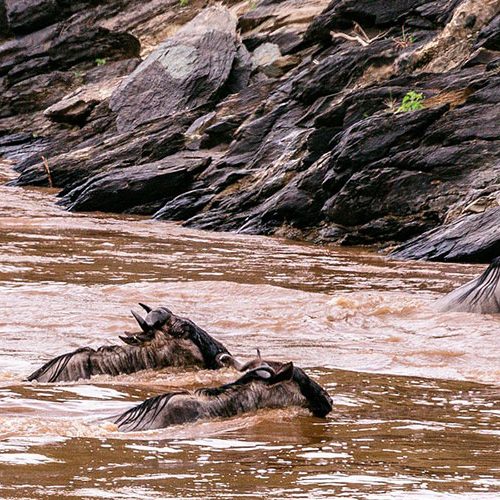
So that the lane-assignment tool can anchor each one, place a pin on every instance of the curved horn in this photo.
(144, 326)
(146, 307)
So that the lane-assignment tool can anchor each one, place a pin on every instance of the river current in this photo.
(416, 392)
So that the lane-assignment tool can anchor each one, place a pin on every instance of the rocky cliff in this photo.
(346, 121)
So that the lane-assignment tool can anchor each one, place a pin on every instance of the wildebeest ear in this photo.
(284, 374)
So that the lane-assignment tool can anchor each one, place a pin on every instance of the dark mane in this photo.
(146, 412)
(481, 295)
(59, 364)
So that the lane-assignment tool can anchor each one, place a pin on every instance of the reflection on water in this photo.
(68, 280)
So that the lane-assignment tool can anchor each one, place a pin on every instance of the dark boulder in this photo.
(489, 36)
(149, 185)
(471, 238)
(184, 72)
(26, 16)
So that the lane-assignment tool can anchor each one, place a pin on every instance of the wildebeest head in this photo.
(162, 323)
(269, 373)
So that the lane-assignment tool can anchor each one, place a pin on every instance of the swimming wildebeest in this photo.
(268, 385)
(164, 340)
(481, 295)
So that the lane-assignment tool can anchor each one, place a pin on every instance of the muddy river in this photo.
(416, 393)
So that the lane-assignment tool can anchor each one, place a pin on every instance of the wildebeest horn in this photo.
(145, 307)
(144, 326)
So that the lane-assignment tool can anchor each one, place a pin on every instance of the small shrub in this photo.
(100, 62)
(183, 3)
(412, 101)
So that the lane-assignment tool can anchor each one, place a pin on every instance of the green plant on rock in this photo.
(183, 3)
(100, 61)
(412, 101)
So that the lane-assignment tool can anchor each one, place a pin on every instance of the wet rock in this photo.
(148, 185)
(489, 36)
(185, 205)
(472, 238)
(282, 23)
(77, 106)
(35, 93)
(26, 16)
(55, 49)
(108, 152)
(267, 58)
(265, 54)
(340, 15)
(4, 29)
(186, 71)
(74, 109)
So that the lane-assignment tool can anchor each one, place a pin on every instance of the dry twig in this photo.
(358, 35)
(47, 169)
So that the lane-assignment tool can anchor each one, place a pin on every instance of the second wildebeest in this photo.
(165, 340)
(266, 385)
(481, 295)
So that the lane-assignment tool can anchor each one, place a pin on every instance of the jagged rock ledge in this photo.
(265, 117)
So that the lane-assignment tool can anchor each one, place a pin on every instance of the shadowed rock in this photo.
(481, 295)
(471, 238)
(184, 72)
(264, 386)
(144, 188)
(164, 340)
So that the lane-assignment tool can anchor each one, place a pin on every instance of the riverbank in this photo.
(266, 118)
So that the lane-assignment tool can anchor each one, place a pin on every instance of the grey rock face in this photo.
(184, 72)
(470, 238)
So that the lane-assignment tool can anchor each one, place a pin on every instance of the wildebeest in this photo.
(164, 340)
(481, 295)
(269, 385)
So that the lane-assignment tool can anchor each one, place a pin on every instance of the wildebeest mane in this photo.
(482, 294)
(59, 364)
(146, 412)
(208, 346)
(244, 379)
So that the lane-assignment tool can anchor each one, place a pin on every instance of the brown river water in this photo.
(416, 392)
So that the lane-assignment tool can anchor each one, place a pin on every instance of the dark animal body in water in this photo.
(164, 340)
(481, 295)
(270, 385)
